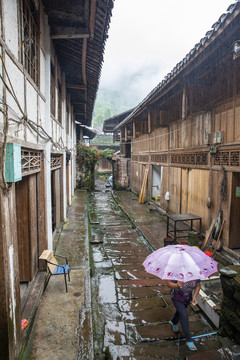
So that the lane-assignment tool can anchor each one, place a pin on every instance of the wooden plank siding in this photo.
(177, 125)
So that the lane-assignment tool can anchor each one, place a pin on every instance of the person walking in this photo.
(182, 293)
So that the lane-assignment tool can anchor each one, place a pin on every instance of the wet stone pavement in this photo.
(130, 308)
(113, 309)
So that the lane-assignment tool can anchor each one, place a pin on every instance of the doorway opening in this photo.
(156, 182)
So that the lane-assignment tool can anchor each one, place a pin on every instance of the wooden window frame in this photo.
(29, 38)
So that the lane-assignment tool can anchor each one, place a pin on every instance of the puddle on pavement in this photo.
(98, 255)
(107, 290)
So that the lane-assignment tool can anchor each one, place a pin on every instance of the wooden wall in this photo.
(228, 120)
(157, 140)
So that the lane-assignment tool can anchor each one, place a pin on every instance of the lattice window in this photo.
(30, 162)
(234, 158)
(221, 158)
(159, 158)
(143, 158)
(29, 31)
(55, 161)
(190, 158)
(217, 159)
(227, 158)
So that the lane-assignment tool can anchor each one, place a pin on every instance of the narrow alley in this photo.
(114, 309)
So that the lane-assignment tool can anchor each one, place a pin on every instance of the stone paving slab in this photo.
(175, 349)
(122, 241)
(128, 274)
(149, 316)
(130, 251)
(140, 304)
(164, 331)
(115, 333)
(139, 282)
(129, 267)
(140, 292)
(120, 260)
(128, 247)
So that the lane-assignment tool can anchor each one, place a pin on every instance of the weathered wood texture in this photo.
(156, 141)
(23, 233)
(10, 335)
(33, 226)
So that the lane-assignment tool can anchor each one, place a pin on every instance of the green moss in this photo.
(227, 287)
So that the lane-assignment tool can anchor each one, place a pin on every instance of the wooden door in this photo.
(27, 231)
(22, 212)
(234, 233)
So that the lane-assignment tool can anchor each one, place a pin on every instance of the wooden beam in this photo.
(93, 18)
(63, 32)
(84, 57)
(77, 86)
(79, 102)
(79, 113)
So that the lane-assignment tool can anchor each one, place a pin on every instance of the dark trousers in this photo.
(182, 316)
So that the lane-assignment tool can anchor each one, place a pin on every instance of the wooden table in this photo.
(177, 218)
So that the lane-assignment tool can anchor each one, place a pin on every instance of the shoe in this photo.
(191, 346)
(174, 327)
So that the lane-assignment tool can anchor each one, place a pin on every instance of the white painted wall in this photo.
(34, 101)
(10, 25)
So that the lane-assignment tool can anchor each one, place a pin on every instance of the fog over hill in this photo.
(127, 92)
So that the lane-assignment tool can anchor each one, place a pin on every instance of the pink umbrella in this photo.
(180, 262)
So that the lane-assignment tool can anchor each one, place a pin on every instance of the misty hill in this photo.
(110, 102)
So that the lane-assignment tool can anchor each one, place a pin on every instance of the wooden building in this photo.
(186, 132)
(103, 142)
(51, 57)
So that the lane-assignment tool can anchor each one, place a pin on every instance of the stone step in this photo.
(213, 347)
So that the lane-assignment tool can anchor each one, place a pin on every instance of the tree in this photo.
(87, 157)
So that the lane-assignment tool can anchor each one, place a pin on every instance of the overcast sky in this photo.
(147, 38)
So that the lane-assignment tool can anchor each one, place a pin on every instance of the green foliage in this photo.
(107, 154)
(87, 156)
(109, 103)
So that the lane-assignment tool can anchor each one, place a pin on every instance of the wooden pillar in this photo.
(149, 121)
(10, 312)
(121, 137)
(125, 135)
(81, 135)
(42, 224)
(134, 129)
